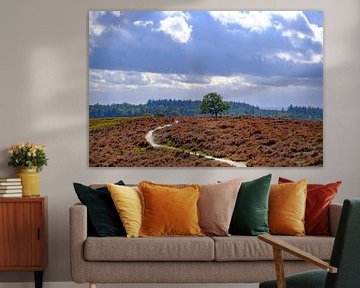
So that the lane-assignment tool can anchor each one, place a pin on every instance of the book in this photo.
(10, 183)
(10, 180)
(10, 191)
(10, 187)
(4, 195)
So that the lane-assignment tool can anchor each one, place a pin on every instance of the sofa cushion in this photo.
(149, 249)
(244, 248)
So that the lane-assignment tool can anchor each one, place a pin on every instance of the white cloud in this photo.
(176, 26)
(181, 14)
(234, 81)
(116, 13)
(95, 28)
(252, 20)
(318, 33)
(284, 56)
(300, 58)
(287, 15)
(119, 80)
(296, 37)
(143, 23)
(255, 21)
(118, 86)
(258, 21)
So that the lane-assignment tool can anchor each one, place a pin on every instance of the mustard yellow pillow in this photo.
(169, 210)
(127, 201)
(287, 204)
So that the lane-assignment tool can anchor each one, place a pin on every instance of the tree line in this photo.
(172, 107)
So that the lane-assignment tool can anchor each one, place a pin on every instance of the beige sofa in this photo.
(234, 259)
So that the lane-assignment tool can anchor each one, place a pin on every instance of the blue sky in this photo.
(264, 58)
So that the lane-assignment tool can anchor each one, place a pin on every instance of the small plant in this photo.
(27, 155)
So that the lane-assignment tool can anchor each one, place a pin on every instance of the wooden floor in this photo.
(74, 285)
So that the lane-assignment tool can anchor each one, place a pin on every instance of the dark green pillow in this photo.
(103, 218)
(250, 216)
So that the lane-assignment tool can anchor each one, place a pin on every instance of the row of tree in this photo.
(212, 104)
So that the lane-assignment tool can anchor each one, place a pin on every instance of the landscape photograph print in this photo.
(205, 88)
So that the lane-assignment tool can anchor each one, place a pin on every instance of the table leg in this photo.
(38, 279)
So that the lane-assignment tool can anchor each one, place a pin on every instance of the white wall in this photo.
(43, 90)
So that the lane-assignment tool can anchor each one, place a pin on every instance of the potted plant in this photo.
(30, 158)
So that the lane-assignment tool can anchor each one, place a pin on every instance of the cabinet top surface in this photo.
(23, 199)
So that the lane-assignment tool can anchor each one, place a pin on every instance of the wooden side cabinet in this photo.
(23, 235)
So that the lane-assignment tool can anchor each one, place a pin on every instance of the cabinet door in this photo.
(21, 234)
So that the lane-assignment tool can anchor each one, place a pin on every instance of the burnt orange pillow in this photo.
(169, 210)
(319, 197)
(287, 204)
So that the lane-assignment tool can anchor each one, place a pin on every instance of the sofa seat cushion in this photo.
(244, 248)
(149, 249)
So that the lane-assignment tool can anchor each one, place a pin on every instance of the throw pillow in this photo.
(250, 215)
(102, 215)
(319, 197)
(287, 204)
(127, 201)
(169, 210)
(216, 206)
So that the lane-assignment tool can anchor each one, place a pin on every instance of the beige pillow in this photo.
(216, 206)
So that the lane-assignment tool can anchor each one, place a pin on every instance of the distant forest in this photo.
(170, 107)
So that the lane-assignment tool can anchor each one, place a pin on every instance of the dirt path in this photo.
(150, 139)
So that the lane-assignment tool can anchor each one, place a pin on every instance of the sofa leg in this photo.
(92, 285)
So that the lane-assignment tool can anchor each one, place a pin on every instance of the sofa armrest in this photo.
(78, 235)
(334, 216)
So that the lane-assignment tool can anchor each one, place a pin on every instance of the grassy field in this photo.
(100, 123)
(260, 142)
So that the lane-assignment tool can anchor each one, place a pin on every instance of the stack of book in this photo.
(10, 187)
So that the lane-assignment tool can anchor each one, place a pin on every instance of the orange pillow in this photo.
(169, 210)
(287, 204)
(318, 200)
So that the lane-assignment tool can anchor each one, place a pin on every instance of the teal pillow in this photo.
(250, 216)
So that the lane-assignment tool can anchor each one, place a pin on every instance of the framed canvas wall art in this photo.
(205, 88)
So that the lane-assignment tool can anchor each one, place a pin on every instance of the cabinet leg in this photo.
(38, 279)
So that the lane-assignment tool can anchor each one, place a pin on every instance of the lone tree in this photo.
(213, 104)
